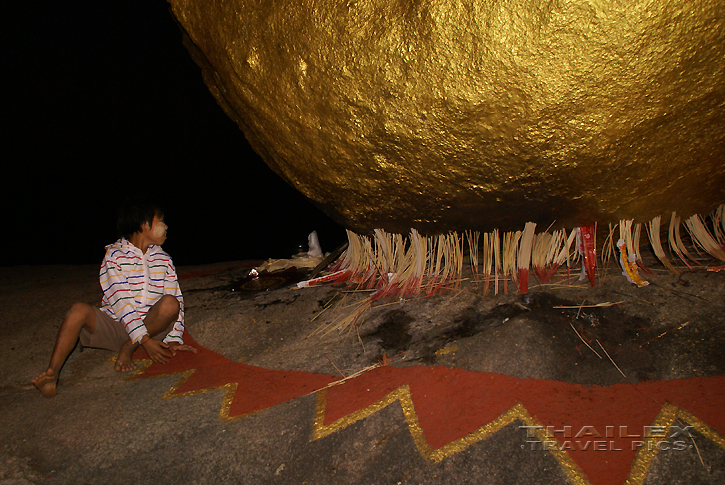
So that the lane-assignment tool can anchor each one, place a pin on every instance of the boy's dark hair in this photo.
(134, 212)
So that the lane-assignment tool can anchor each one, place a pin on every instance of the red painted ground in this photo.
(601, 428)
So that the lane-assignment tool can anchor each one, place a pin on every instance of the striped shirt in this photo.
(132, 282)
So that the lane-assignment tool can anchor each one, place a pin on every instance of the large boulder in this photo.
(451, 115)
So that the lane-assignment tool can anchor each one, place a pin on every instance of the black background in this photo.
(101, 98)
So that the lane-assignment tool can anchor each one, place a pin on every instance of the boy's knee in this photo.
(169, 306)
(79, 315)
(80, 309)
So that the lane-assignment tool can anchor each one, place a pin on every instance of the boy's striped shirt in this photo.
(132, 282)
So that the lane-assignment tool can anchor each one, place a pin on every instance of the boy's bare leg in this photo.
(80, 315)
(159, 318)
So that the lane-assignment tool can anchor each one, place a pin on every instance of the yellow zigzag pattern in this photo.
(643, 460)
(640, 467)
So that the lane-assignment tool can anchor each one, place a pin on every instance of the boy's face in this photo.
(157, 232)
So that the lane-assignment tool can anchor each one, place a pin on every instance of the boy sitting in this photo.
(142, 302)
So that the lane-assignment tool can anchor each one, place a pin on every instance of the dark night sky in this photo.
(101, 97)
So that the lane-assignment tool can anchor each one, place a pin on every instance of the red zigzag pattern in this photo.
(449, 405)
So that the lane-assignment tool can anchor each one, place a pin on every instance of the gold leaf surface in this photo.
(479, 114)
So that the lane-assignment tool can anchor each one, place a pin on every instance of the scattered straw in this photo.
(598, 305)
(615, 364)
(447, 302)
(333, 365)
(345, 379)
(580, 308)
(582, 338)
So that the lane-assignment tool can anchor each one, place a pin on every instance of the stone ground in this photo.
(103, 428)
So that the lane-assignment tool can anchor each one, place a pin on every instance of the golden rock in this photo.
(475, 114)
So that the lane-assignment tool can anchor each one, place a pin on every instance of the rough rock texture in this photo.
(445, 115)
(104, 428)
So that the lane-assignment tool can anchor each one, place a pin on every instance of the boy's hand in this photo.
(176, 346)
(158, 351)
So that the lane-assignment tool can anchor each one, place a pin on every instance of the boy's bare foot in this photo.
(46, 383)
(124, 363)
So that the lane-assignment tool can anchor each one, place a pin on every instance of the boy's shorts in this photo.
(109, 333)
